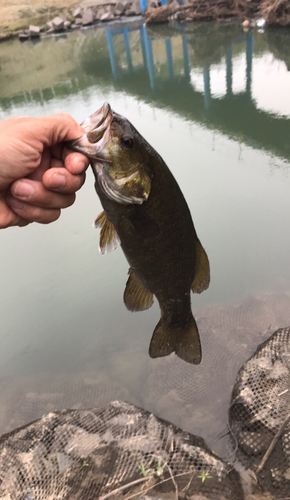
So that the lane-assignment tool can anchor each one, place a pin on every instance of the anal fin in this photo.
(202, 272)
(136, 295)
(109, 239)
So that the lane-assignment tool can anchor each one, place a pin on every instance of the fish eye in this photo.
(127, 141)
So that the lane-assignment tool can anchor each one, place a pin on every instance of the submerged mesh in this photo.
(88, 454)
(260, 414)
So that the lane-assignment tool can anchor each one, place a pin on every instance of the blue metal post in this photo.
(186, 57)
(169, 57)
(143, 45)
(143, 5)
(127, 48)
(149, 56)
(249, 58)
(229, 73)
(112, 53)
(206, 82)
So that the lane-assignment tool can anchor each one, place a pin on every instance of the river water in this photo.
(215, 103)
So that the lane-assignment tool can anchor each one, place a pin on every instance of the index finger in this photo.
(55, 129)
(76, 163)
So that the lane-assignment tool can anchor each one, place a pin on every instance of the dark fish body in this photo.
(156, 234)
(158, 240)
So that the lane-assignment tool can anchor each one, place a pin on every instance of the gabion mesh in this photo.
(260, 414)
(118, 451)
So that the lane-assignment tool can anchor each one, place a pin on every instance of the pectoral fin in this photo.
(202, 272)
(109, 239)
(136, 295)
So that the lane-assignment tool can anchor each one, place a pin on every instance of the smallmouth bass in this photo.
(145, 212)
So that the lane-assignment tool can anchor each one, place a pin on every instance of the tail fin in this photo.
(183, 340)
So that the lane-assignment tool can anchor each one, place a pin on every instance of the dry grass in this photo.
(16, 15)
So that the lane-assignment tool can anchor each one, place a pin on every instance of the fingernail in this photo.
(57, 181)
(23, 189)
(12, 202)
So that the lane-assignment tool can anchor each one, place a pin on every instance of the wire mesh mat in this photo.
(260, 414)
(119, 449)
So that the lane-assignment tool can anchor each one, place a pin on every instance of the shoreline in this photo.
(48, 20)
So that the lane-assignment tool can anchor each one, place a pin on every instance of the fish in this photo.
(145, 212)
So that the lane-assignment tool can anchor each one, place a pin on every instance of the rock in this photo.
(67, 25)
(88, 17)
(49, 31)
(23, 36)
(107, 16)
(127, 5)
(106, 13)
(100, 12)
(97, 3)
(119, 9)
(135, 9)
(77, 12)
(78, 21)
(34, 31)
(49, 25)
(58, 23)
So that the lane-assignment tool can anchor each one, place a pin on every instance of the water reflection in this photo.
(176, 69)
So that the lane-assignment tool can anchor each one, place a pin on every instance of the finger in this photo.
(60, 179)
(8, 218)
(76, 163)
(44, 165)
(36, 194)
(59, 127)
(32, 213)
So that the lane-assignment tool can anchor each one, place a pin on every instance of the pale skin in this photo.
(39, 176)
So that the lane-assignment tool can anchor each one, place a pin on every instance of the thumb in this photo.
(57, 128)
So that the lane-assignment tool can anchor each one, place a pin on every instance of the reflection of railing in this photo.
(148, 60)
(249, 39)
(147, 51)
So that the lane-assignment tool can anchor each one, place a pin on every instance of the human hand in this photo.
(34, 185)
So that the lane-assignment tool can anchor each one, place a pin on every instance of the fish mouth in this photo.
(97, 134)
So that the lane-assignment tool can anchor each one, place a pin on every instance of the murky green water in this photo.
(215, 103)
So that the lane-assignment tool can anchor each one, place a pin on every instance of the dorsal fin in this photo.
(109, 239)
(136, 295)
(202, 273)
